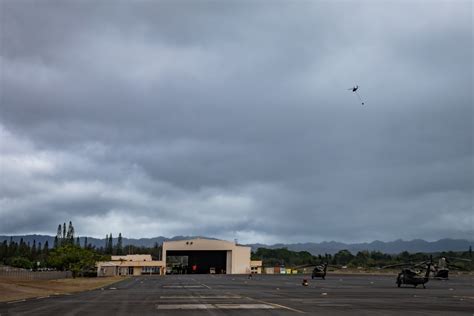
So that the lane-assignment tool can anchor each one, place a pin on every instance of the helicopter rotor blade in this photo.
(424, 263)
(397, 265)
(456, 267)
(460, 259)
(334, 266)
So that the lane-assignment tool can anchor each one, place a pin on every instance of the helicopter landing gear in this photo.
(399, 280)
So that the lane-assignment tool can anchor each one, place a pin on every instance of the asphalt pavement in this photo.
(259, 295)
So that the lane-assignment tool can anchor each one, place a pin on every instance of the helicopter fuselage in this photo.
(410, 277)
(319, 272)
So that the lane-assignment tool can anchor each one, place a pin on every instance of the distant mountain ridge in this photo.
(391, 247)
(331, 247)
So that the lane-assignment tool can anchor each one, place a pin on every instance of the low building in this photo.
(256, 266)
(130, 265)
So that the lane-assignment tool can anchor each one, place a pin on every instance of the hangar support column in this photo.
(228, 268)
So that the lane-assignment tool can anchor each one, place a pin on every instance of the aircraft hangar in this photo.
(203, 256)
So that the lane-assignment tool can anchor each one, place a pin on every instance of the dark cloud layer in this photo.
(233, 119)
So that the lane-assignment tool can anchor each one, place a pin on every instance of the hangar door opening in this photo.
(196, 262)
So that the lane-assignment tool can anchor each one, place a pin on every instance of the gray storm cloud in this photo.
(233, 120)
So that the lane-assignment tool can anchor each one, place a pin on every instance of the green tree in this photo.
(283, 256)
(33, 251)
(106, 243)
(110, 246)
(12, 248)
(70, 234)
(3, 251)
(20, 262)
(57, 239)
(23, 249)
(63, 238)
(156, 251)
(75, 259)
(119, 246)
(46, 248)
(343, 257)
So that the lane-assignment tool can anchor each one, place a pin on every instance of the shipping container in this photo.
(269, 270)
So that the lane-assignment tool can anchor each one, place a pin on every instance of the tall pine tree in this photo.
(57, 239)
(111, 245)
(106, 243)
(63, 239)
(46, 248)
(33, 249)
(119, 245)
(70, 234)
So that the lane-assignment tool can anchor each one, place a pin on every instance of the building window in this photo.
(151, 270)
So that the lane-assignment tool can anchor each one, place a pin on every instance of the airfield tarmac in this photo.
(261, 295)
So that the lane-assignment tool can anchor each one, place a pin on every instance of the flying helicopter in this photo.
(354, 89)
(410, 276)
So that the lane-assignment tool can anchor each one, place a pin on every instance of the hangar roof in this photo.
(200, 244)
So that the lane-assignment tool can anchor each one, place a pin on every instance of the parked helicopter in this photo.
(410, 276)
(440, 271)
(320, 271)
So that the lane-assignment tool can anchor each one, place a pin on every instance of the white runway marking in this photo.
(277, 305)
(184, 306)
(13, 302)
(182, 286)
(200, 297)
(214, 306)
(245, 306)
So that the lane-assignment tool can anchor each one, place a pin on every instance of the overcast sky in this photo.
(234, 119)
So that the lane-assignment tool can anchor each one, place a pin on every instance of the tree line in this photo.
(364, 259)
(67, 253)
